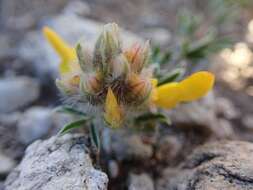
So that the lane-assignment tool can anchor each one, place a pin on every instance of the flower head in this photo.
(115, 80)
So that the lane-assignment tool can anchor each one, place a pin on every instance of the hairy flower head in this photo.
(115, 80)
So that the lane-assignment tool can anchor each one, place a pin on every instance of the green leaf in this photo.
(188, 23)
(155, 51)
(159, 57)
(73, 125)
(69, 110)
(95, 136)
(153, 117)
(198, 48)
(165, 58)
(206, 46)
(171, 76)
(219, 44)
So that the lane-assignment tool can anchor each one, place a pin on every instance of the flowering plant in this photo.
(116, 84)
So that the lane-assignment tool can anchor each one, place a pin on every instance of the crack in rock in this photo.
(220, 165)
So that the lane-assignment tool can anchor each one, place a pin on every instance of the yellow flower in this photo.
(66, 53)
(192, 88)
(113, 113)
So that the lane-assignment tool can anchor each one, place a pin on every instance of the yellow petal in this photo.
(64, 66)
(154, 94)
(154, 82)
(113, 112)
(196, 86)
(66, 53)
(192, 88)
(167, 95)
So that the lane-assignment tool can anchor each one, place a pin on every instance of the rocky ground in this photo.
(57, 163)
(205, 148)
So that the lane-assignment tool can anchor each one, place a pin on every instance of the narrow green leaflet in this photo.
(188, 22)
(171, 76)
(197, 49)
(155, 53)
(165, 57)
(73, 125)
(159, 57)
(219, 44)
(69, 110)
(153, 117)
(95, 136)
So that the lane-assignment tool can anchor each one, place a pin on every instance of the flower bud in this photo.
(74, 81)
(120, 66)
(84, 57)
(93, 83)
(107, 47)
(139, 89)
(68, 85)
(138, 56)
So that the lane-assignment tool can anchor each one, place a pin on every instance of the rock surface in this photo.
(57, 164)
(17, 17)
(35, 123)
(248, 121)
(1, 186)
(202, 114)
(6, 164)
(168, 148)
(10, 119)
(226, 108)
(9, 142)
(38, 122)
(113, 169)
(141, 182)
(77, 7)
(17, 92)
(219, 165)
(127, 146)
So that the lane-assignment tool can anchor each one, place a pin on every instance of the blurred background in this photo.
(192, 34)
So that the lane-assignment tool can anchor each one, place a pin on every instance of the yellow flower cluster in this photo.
(127, 84)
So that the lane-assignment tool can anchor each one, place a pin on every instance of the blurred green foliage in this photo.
(198, 36)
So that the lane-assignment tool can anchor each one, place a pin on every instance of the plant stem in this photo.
(96, 141)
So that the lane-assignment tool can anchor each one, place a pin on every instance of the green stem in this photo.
(96, 140)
